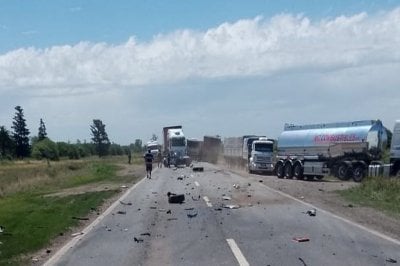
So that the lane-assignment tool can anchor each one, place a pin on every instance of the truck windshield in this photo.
(178, 142)
(264, 147)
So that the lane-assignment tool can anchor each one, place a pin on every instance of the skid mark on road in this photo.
(237, 252)
(207, 200)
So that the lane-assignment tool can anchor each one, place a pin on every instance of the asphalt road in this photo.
(260, 232)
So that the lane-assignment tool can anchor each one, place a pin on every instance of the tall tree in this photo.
(20, 134)
(42, 130)
(6, 142)
(99, 137)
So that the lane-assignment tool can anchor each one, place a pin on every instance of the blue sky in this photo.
(216, 67)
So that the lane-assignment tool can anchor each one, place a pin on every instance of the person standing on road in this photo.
(148, 159)
(159, 159)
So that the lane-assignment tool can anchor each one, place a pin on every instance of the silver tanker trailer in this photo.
(344, 150)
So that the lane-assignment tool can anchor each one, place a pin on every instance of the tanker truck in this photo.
(344, 150)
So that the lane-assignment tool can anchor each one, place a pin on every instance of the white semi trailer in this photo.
(344, 150)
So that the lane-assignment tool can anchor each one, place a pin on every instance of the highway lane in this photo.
(260, 232)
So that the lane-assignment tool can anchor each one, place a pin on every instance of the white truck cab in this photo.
(261, 156)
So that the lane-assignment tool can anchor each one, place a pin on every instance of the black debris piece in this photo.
(80, 218)
(137, 240)
(312, 212)
(125, 203)
(189, 209)
(218, 209)
(180, 178)
(198, 169)
(169, 212)
(390, 260)
(172, 219)
(48, 251)
(192, 215)
(175, 198)
(121, 212)
(145, 234)
(153, 208)
(260, 181)
(304, 264)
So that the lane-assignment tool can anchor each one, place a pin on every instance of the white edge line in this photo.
(236, 251)
(61, 252)
(376, 233)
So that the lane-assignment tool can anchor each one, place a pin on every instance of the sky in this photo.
(226, 67)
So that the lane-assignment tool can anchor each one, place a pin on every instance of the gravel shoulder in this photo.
(323, 194)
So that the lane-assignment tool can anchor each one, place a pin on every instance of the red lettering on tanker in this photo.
(327, 138)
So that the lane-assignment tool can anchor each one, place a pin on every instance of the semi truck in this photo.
(211, 148)
(154, 147)
(175, 145)
(344, 149)
(252, 152)
(194, 147)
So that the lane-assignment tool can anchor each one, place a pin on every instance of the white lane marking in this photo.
(236, 251)
(61, 252)
(376, 233)
(207, 200)
(196, 183)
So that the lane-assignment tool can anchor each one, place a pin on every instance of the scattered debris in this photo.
(175, 198)
(161, 210)
(301, 239)
(174, 169)
(121, 212)
(226, 198)
(172, 219)
(108, 229)
(320, 189)
(123, 186)
(35, 259)
(312, 212)
(304, 264)
(145, 234)
(218, 209)
(77, 234)
(180, 178)
(350, 206)
(48, 251)
(249, 196)
(137, 240)
(260, 181)
(231, 206)
(125, 203)
(236, 186)
(248, 184)
(80, 218)
(153, 208)
(168, 212)
(2, 229)
(154, 192)
(390, 260)
(193, 198)
(302, 197)
(189, 209)
(198, 169)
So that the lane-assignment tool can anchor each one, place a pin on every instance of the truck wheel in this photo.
(358, 173)
(279, 170)
(343, 172)
(288, 171)
(298, 171)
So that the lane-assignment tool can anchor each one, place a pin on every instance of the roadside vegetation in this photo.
(377, 192)
(32, 210)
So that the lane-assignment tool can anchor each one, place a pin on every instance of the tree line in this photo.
(18, 144)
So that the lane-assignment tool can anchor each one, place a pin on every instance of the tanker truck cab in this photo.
(261, 156)
(177, 146)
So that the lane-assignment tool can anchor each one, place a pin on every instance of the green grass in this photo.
(31, 221)
(377, 192)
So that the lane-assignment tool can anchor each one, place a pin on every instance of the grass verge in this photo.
(31, 221)
(377, 192)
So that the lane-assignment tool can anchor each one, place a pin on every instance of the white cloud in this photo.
(247, 77)
(253, 47)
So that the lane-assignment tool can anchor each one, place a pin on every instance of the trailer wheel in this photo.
(298, 171)
(279, 170)
(358, 173)
(288, 170)
(343, 172)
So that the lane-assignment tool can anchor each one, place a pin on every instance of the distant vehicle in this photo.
(154, 147)
(395, 150)
(344, 150)
(255, 153)
(175, 145)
